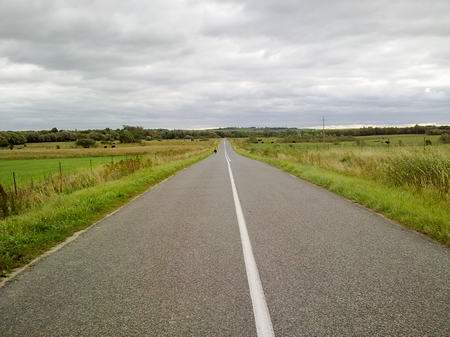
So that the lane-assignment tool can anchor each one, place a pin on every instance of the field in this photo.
(43, 211)
(39, 160)
(409, 183)
(27, 170)
(394, 141)
(69, 150)
(399, 140)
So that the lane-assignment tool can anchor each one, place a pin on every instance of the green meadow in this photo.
(38, 215)
(408, 182)
(27, 170)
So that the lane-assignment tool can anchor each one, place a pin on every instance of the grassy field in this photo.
(399, 140)
(38, 160)
(69, 150)
(39, 216)
(408, 184)
(27, 170)
(396, 142)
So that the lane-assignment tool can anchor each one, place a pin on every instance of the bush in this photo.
(127, 137)
(85, 142)
(444, 138)
(252, 139)
(3, 141)
(12, 138)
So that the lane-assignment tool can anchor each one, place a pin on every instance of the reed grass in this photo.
(409, 185)
(420, 169)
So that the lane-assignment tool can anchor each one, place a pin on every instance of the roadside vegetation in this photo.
(407, 180)
(135, 134)
(36, 214)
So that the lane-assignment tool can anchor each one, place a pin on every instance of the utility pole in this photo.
(323, 129)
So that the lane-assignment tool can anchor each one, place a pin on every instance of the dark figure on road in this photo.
(215, 151)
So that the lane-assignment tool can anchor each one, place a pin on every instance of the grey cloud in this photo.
(82, 64)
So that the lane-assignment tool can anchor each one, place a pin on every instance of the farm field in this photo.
(27, 170)
(37, 215)
(408, 183)
(68, 150)
(374, 142)
(37, 161)
(398, 140)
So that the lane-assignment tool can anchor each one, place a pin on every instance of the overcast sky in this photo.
(198, 64)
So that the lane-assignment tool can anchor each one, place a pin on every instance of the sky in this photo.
(83, 64)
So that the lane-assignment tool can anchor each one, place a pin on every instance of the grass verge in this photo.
(416, 211)
(24, 237)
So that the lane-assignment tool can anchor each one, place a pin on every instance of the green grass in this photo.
(38, 169)
(410, 140)
(50, 150)
(23, 237)
(48, 145)
(379, 142)
(422, 210)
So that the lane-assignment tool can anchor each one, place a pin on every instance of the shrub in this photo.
(444, 138)
(127, 137)
(3, 141)
(252, 139)
(85, 142)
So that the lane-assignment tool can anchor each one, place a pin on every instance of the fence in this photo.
(16, 197)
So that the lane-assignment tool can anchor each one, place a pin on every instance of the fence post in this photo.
(90, 162)
(15, 183)
(3, 201)
(60, 178)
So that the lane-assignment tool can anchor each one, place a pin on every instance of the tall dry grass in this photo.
(144, 148)
(15, 201)
(414, 168)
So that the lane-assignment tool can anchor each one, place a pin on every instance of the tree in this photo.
(16, 138)
(86, 142)
(126, 137)
(136, 132)
(3, 141)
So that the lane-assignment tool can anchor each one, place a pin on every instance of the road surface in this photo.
(177, 262)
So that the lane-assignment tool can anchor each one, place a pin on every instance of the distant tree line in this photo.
(132, 134)
(380, 131)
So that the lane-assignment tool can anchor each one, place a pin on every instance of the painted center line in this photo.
(263, 322)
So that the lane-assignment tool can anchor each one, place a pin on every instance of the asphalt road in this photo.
(171, 263)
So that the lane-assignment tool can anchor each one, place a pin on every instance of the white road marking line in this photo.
(263, 322)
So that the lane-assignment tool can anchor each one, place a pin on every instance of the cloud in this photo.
(183, 64)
